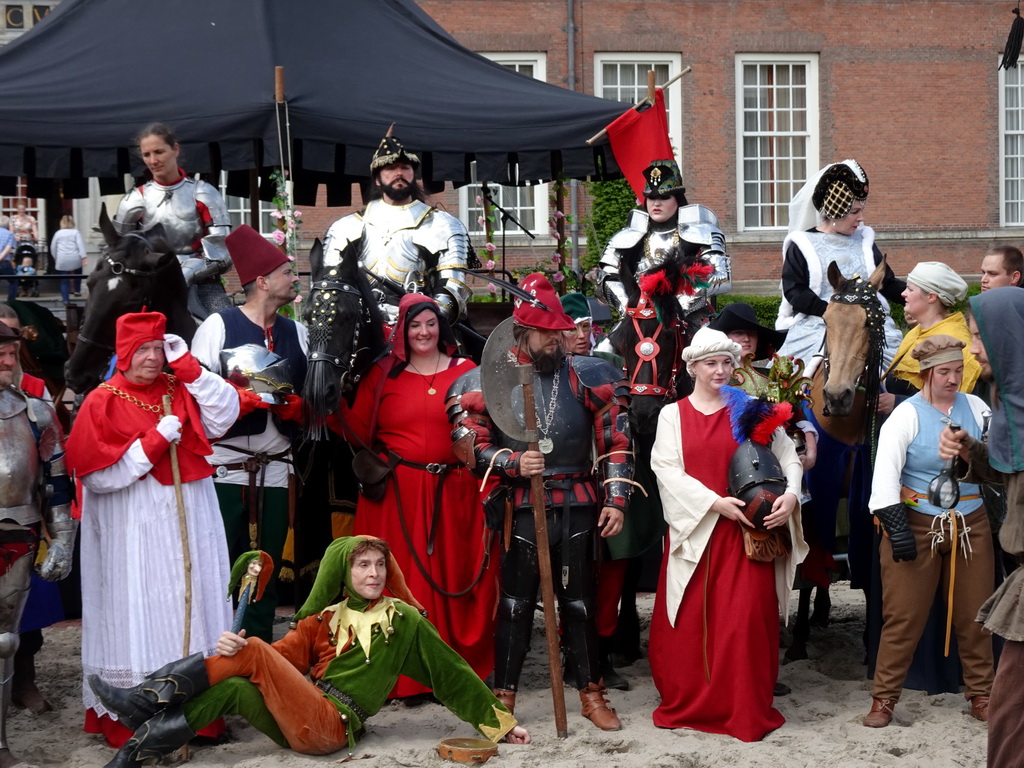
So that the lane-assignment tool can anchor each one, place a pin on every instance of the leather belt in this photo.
(343, 697)
(255, 465)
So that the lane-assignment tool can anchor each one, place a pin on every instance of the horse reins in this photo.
(324, 310)
(647, 349)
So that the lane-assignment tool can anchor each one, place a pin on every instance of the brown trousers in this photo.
(1005, 724)
(307, 718)
(908, 591)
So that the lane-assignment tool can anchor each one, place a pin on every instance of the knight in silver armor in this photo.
(582, 407)
(192, 212)
(650, 234)
(34, 490)
(405, 245)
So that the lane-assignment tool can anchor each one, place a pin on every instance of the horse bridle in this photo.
(647, 349)
(861, 292)
(118, 267)
(323, 297)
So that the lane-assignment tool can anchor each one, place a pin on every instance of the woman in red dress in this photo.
(714, 647)
(431, 513)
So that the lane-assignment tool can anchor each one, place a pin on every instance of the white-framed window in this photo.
(529, 204)
(1011, 147)
(623, 77)
(776, 134)
(239, 213)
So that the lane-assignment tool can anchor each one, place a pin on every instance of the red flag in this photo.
(637, 138)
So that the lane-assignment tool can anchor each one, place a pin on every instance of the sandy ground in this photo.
(823, 713)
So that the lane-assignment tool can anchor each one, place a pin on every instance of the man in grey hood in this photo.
(997, 326)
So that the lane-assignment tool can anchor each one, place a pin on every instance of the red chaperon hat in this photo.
(134, 330)
(545, 312)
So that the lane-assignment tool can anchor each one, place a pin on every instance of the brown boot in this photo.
(23, 687)
(979, 708)
(508, 698)
(880, 714)
(596, 709)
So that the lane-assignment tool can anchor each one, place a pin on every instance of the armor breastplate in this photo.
(388, 248)
(571, 429)
(19, 462)
(173, 207)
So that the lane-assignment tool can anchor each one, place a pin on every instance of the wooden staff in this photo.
(187, 554)
(547, 590)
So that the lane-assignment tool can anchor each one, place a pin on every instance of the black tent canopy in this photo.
(75, 89)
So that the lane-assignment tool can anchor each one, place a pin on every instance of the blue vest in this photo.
(239, 330)
(923, 462)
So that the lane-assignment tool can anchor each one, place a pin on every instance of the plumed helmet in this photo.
(756, 479)
(662, 177)
(837, 189)
(391, 150)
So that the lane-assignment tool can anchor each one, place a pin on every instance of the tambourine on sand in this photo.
(467, 750)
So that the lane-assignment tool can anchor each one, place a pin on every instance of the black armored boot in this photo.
(172, 684)
(160, 735)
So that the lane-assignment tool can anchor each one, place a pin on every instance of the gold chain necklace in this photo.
(159, 408)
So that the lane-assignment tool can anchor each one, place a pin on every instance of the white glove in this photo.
(174, 347)
(169, 428)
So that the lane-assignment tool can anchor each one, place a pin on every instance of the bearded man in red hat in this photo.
(133, 575)
(253, 461)
(582, 402)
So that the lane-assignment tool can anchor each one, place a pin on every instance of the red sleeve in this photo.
(297, 644)
(355, 419)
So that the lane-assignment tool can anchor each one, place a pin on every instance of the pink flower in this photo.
(490, 265)
(492, 288)
(276, 215)
(479, 200)
(290, 258)
(480, 220)
(297, 214)
(559, 215)
(558, 277)
(556, 259)
(298, 298)
(278, 237)
(554, 233)
(489, 247)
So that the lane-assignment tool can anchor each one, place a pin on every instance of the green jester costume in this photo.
(353, 651)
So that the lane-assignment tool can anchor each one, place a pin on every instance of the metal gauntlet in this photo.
(897, 528)
(61, 525)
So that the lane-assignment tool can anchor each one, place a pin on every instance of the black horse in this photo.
(650, 337)
(345, 335)
(138, 271)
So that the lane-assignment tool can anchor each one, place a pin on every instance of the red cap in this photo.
(134, 330)
(531, 316)
(252, 254)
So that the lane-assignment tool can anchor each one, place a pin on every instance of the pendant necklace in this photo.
(430, 384)
(546, 444)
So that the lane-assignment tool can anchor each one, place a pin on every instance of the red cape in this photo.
(108, 424)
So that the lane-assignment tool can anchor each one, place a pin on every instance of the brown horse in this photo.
(845, 390)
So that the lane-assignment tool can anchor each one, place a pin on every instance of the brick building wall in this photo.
(910, 89)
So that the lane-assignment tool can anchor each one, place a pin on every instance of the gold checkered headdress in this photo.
(837, 189)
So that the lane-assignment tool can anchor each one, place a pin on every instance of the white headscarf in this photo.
(707, 342)
(940, 279)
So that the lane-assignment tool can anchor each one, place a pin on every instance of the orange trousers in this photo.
(307, 718)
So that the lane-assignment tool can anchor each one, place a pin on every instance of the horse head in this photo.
(137, 271)
(853, 337)
(345, 333)
(651, 336)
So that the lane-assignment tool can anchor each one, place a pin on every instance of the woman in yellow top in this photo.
(932, 288)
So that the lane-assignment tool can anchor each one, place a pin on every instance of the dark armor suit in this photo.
(589, 412)
(34, 488)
